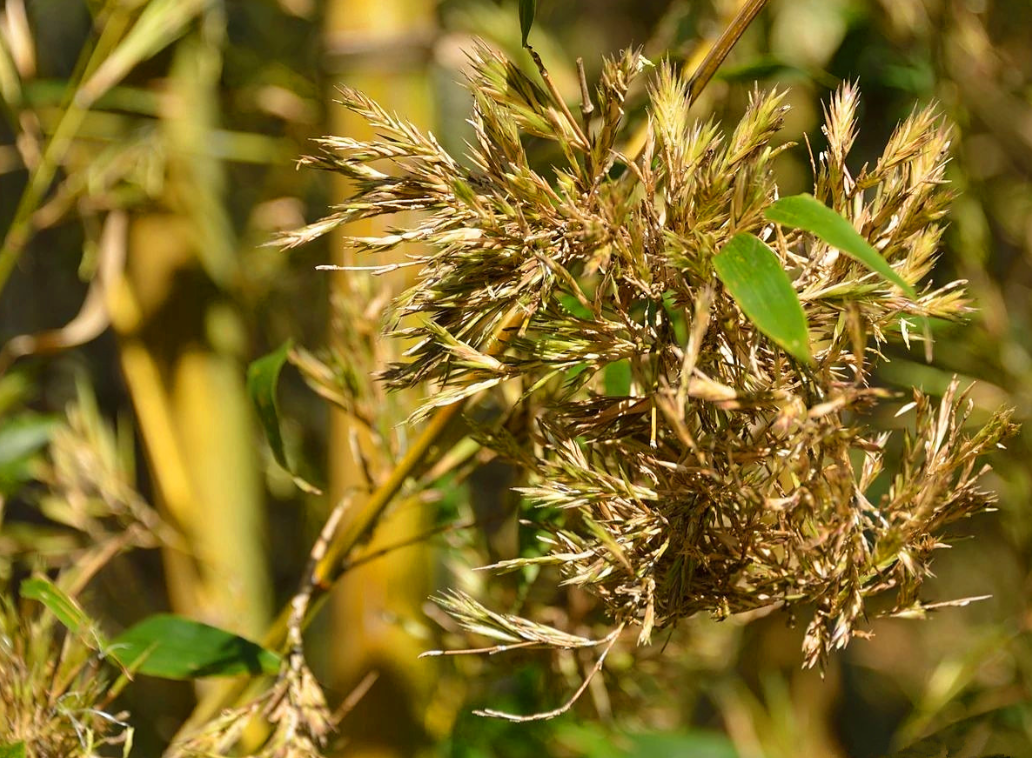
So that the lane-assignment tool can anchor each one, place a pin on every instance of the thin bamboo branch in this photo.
(333, 565)
(704, 72)
(723, 46)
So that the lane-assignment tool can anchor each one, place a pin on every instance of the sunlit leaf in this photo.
(591, 741)
(173, 647)
(753, 275)
(698, 744)
(574, 306)
(57, 602)
(12, 750)
(10, 81)
(807, 213)
(64, 608)
(262, 382)
(617, 378)
(528, 9)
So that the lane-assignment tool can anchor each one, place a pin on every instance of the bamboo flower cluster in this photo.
(693, 465)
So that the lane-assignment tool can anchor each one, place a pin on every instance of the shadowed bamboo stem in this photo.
(334, 564)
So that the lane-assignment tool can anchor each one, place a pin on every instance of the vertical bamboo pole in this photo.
(182, 348)
(379, 46)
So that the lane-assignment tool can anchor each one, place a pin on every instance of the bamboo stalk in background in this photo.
(182, 354)
(379, 46)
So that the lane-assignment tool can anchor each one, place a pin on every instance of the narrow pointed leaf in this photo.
(57, 601)
(1003, 728)
(808, 213)
(173, 647)
(528, 9)
(262, 382)
(754, 277)
(65, 610)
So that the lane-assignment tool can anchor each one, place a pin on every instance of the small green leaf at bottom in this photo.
(173, 647)
(12, 750)
(754, 277)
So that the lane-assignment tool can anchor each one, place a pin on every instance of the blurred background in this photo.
(147, 157)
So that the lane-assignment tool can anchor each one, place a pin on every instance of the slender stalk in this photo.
(335, 564)
(72, 117)
(723, 46)
(704, 72)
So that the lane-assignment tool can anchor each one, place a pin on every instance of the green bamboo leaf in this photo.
(676, 318)
(262, 381)
(617, 378)
(808, 213)
(764, 67)
(575, 307)
(753, 275)
(58, 602)
(592, 742)
(13, 750)
(528, 9)
(173, 647)
(999, 733)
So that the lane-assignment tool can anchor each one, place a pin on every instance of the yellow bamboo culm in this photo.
(379, 47)
(182, 350)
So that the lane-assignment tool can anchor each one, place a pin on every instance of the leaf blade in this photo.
(262, 382)
(617, 378)
(173, 647)
(528, 9)
(810, 214)
(160, 24)
(754, 277)
(57, 601)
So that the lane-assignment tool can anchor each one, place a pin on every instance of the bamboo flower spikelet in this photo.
(692, 464)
